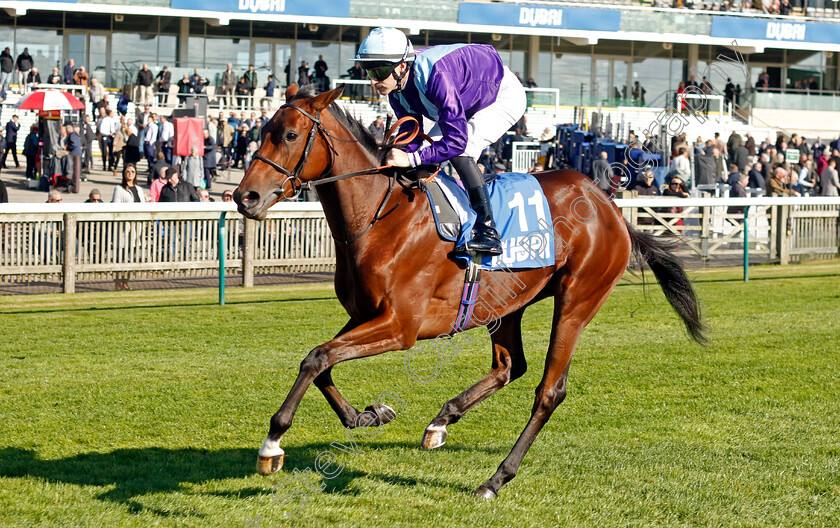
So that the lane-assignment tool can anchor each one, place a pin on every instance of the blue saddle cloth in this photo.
(520, 211)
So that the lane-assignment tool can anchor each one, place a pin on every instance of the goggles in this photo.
(381, 73)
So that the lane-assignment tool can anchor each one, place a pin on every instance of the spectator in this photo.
(227, 196)
(162, 175)
(177, 191)
(81, 77)
(74, 147)
(676, 188)
(10, 142)
(756, 178)
(54, 196)
(530, 83)
(97, 95)
(731, 176)
(639, 94)
(242, 140)
(145, 79)
(680, 166)
(602, 172)
(806, 179)
(69, 71)
(269, 92)
(829, 181)
(94, 197)
(776, 185)
(784, 7)
(132, 143)
(737, 190)
(204, 196)
(4, 195)
(7, 65)
(645, 186)
(192, 168)
(249, 154)
(242, 92)
(303, 74)
(120, 139)
(23, 64)
(30, 150)
(184, 89)
(226, 135)
(228, 84)
(818, 148)
(209, 159)
(108, 127)
(166, 138)
(195, 81)
(357, 73)
(377, 128)
(34, 78)
(163, 81)
(128, 191)
(740, 157)
(251, 79)
(55, 77)
(150, 138)
(321, 74)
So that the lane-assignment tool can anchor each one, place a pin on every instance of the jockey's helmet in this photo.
(385, 45)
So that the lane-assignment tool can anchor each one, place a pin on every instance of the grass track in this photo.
(146, 409)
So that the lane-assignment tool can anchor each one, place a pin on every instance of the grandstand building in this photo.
(612, 53)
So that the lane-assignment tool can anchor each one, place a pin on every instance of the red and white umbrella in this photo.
(50, 100)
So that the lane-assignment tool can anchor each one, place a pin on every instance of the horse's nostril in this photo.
(251, 197)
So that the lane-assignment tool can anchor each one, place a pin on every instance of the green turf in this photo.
(145, 409)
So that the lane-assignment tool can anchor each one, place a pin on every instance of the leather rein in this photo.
(299, 185)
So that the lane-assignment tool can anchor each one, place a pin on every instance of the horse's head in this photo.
(293, 151)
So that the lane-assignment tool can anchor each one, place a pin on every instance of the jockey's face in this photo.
(389, 84)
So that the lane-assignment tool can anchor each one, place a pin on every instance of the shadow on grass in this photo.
(132, 473)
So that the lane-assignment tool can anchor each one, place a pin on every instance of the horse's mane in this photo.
(359, 131)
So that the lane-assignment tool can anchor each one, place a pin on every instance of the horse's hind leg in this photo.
(575, 304)
(508, 365)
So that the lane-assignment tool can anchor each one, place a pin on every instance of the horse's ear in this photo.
(291, 91)
(326, 99)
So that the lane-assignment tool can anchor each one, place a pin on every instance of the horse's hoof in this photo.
(434, 436)
(483, 492)
(383, 413)
(269, 465)
(270, 457)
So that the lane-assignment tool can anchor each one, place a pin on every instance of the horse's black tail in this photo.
(671, 275)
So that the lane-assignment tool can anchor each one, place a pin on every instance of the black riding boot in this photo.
(485, 238)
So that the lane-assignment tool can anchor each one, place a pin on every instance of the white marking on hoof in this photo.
(434, 436)
(386, 414)
(271, 448)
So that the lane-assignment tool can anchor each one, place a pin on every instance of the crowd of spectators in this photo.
(747, 167)
(769, 7)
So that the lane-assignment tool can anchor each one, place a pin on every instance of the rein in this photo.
(317, 127)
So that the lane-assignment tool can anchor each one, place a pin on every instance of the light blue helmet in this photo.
(385, 45)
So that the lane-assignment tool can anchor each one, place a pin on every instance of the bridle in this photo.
(299, 185)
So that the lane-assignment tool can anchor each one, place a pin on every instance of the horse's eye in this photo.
(291, 136)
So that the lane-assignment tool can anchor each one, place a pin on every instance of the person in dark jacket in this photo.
(69, 71)
(10, 142)
(178, 191)
(737, 190)
(163, 80)
(89, 135)
(144, 85)
(23, 64)
(4, 196)
(645, 185)
(74, 147)
(739, 157)
(30, 150)
(185, 88)
(755, 178)
(34, 78)
(7, 66)
(209, 159)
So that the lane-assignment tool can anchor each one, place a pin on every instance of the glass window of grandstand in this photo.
(45, 46)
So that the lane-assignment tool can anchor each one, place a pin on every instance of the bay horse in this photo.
(399, 282)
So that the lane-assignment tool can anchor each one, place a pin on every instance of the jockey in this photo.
(473, 98)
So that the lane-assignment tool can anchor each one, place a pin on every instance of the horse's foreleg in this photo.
(508, 365)
(382, 334)
(346, 412)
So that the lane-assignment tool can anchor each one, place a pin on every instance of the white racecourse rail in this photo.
(68, 242)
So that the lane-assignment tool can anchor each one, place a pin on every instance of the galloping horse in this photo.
(399, 282)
